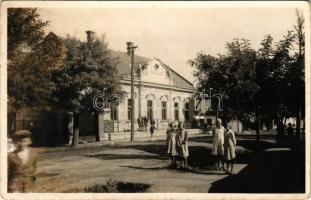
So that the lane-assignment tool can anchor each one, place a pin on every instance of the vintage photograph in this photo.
(155, 97)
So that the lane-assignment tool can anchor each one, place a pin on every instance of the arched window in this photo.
(176, 101)
(150, 98)
(164, 107)
(186, 109)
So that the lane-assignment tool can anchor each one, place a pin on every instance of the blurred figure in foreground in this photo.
(21, 163)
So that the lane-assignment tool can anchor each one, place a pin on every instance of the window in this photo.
(186, 111)
(129, 108)
(176, 111)
(156, 67)
(164, 110)
(114, 112)
(149, 109)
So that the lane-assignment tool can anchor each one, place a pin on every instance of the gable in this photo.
(124, 61)
(155, 72)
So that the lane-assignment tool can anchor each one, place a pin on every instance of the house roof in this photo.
(124, 67)
(124, 62)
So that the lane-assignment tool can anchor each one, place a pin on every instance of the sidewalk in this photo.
(124, 138)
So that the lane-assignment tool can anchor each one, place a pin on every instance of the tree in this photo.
(30, 59)
(24, 27)
(29, 76)
(87, 70)
(232, 73)
(296, 72)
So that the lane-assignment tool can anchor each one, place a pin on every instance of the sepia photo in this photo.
(155, 100)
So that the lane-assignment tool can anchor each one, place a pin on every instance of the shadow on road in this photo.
(270, 169)
(276, 171)
(125, 156)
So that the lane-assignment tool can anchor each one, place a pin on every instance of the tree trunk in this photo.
(280, 129)
(257, 126)
(298, 120)
(75, 138)
(96, 125)
(70, 128)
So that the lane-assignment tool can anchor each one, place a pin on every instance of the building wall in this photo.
(156, 95)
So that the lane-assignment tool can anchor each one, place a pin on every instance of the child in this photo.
(21, 163)
(218, 144)
(229, 147)
(182, 141)
(171, 143)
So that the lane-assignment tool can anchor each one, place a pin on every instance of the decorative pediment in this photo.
(150, 97)
(187, 100)
(177, 99)
(164, 98)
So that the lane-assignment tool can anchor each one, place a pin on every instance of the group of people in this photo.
(143, 124)
(177, 144)
(224, 145)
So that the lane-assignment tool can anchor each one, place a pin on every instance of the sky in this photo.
(173, 35)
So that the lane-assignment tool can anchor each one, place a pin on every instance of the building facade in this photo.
(161, 94)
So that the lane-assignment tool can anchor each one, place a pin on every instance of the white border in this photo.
(151, 4)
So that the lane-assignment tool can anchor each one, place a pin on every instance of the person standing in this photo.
(218, 144)
(229, 147)
(182, 142)
(290, 133)
(21, 163)
(171, 143)
(152, 127)
(145, 123)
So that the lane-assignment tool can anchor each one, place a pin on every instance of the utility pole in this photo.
(131, 52)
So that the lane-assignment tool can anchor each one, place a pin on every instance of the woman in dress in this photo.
(229, 145)
(182, 142)
(218, 144)
(21, 163)
(171, 143)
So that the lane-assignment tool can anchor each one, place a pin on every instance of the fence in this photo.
(111, 126)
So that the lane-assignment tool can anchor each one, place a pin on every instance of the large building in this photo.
(161, 94)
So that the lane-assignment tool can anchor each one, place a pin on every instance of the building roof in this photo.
(124, 67)
(124, 62)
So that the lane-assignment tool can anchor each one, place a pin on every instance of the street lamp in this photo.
(219, 96)
(131, 52)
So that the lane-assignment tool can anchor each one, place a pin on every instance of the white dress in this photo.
(218, 142)
(230, 143)
(171, 143)
(182, 143)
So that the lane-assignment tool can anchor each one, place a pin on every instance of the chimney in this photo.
(90, 36)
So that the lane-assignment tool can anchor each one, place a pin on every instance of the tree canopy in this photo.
(269, 81)
(87, 70)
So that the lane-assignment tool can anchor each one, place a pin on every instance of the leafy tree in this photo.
(87, 70)
(24, 27)
(30, 59)
(233, 74)
(296, 72)
(268, 84)
(29, 76)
